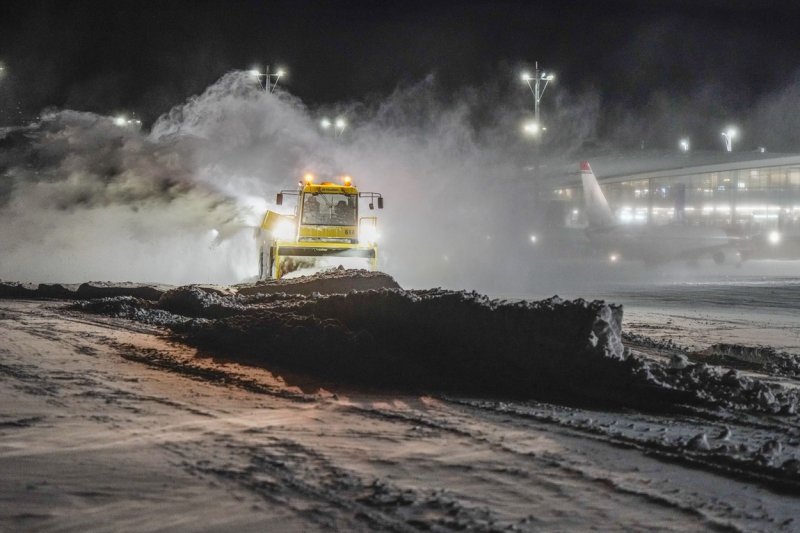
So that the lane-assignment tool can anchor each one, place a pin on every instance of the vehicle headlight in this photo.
(368, 233)
(284, 230)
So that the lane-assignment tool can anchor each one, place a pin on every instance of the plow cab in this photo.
(324, 231)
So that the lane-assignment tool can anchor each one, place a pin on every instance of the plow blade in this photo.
(305, 251)
(309, 258)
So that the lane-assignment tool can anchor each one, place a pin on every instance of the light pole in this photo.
(2, 73)
(535, 128)
(537, 89)
(340, 124)
(337, 126)
(269, 86)
(729, 135)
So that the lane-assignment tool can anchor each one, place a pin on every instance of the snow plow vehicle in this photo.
(324, 230)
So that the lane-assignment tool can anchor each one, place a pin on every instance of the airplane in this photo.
(653, 244)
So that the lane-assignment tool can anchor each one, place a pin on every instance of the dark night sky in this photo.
(147, 56)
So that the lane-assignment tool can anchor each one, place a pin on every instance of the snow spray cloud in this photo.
(458, 201)
(83, 198)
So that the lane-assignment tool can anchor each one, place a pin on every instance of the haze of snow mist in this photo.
(83, 198)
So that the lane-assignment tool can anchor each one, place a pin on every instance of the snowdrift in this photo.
(83, 291)
(426, 341)
(455, 341)
(433, 339)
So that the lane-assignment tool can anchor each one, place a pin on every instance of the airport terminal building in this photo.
(754, 192)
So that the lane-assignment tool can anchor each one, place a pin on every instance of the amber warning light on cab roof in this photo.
(309, 178)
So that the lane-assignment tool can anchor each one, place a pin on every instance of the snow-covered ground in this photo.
(753, 313)
(109, 424)
(755, 303)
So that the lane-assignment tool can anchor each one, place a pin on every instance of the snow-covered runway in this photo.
(106, 425)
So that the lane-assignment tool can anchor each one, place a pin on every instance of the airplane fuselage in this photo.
(661, 244)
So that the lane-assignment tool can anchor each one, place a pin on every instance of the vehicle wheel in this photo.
(265, 264)
(270, 265)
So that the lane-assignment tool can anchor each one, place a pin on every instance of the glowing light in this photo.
(729, 134)
(368, 230)
(527, 77)
(283, 231)
(325, 123)
(280, 72)
(684, 145)
(774, 237)
(309, 177)
(368, 233)
(347, 180)
(531, 128)
(120, 121)
(533, 239)
(255, 72)
(613, 258)
(340, 123)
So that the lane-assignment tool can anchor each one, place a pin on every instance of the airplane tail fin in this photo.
(597, 211)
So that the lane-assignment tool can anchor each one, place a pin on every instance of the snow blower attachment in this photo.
(324, 231)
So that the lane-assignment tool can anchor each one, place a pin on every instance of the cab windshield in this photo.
(330, 209)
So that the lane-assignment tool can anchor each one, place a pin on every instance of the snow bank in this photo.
(332, 281)
(438, 340)
(757, 357)
(447, 341)
(433, 339)
(723, 387)
(83, 291)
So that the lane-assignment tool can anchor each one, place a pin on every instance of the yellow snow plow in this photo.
(325, 229)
